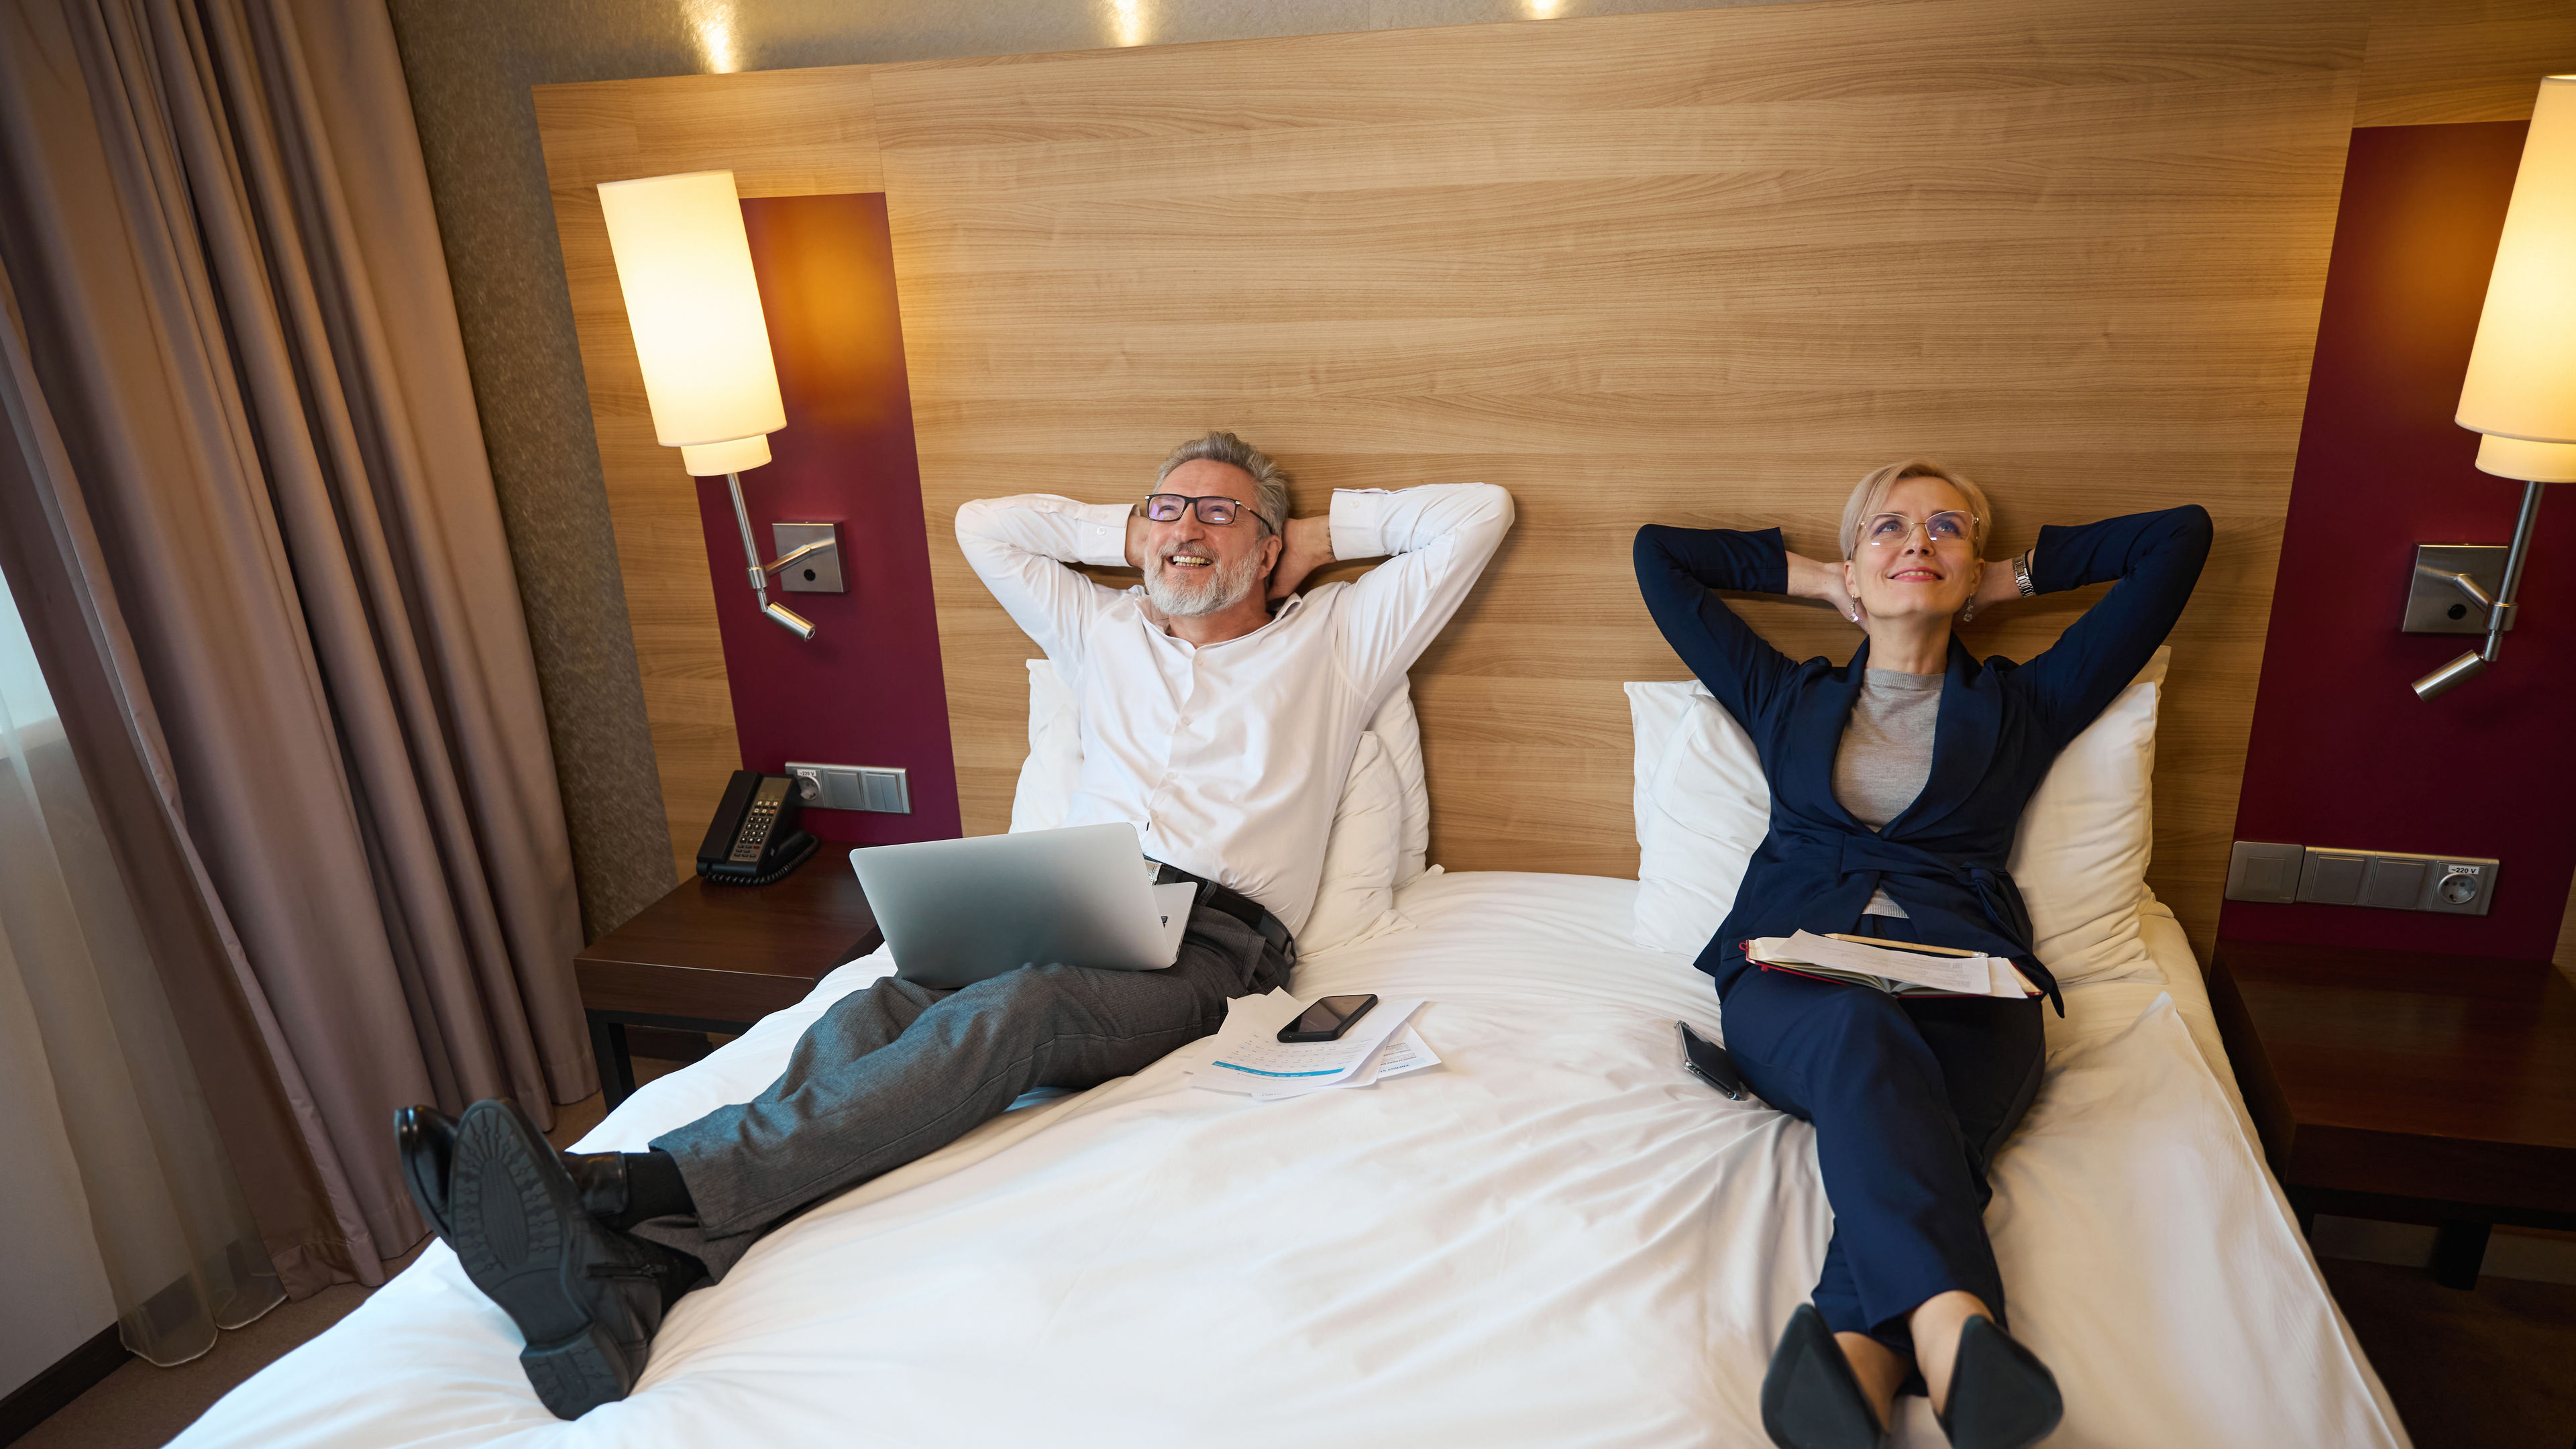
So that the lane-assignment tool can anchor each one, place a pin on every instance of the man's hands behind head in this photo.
(1309, 546)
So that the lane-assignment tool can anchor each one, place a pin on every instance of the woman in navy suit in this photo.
(1896, 783)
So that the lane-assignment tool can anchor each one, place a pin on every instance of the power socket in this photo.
(853, 787)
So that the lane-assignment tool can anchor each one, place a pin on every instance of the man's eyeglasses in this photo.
(1215, 510)
(1891, 530)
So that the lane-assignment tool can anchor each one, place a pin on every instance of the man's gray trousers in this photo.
(899, 1070)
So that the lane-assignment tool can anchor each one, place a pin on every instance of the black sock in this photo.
(654, 1189)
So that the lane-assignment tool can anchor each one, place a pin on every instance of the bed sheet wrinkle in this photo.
(1555, 1239)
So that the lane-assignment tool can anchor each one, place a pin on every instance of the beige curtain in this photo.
(247, 516)
(182, 1254)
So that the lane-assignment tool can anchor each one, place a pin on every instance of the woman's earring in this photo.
(1969, 612)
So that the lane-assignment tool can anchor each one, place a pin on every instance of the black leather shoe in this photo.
(1811, 1399)
(2001, 1395)
(585, 1297)
(426, 1140)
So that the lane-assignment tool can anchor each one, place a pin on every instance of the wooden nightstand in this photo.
(2407, 1087)
(718, 958)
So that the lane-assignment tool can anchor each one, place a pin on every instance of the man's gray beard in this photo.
(1221, 590)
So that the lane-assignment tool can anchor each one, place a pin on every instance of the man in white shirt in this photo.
(1220, 712)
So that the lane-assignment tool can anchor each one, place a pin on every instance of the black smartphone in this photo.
(1327, 1019)
(1709, 1062)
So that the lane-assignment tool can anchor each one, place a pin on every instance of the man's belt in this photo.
(1234, 903)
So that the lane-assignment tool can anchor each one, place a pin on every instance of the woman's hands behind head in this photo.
(1823, 582)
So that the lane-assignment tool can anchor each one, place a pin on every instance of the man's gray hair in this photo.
(1269, 480)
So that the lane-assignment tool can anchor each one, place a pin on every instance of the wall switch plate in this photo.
(2260, 871)
(820, 572)
(2435, 605)
(2394, 883)
(885, 790)
(880, 788)
(2333, 877)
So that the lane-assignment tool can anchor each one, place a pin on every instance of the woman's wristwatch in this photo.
(2021, 574)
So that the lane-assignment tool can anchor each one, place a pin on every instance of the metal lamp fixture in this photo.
(684, 265)
(2521, 386)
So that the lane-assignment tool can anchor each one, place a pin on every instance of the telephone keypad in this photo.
(756, 826)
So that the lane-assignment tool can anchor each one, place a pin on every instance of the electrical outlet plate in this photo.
(2456, 885)
(819, 573)
(883, 789)
(2435, 605)
(2395, 880)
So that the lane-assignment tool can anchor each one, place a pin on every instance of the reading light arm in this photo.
(2485, 601)
(779, 614)
(2499, 609)
(802, 550)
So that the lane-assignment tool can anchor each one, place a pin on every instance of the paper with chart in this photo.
(1246, 1056)
(1274, 1063)
(1404, 1052)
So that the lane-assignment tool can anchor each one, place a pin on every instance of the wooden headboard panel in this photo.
(1699, 267)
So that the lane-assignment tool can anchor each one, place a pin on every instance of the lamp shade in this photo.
(2530, 462)
(684, 264)
(2522, 372)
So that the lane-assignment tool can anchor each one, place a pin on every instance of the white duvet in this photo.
(1557, 1238)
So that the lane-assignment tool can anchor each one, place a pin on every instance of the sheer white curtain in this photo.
(182, 1255)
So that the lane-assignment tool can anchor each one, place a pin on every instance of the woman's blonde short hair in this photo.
(1869, 499)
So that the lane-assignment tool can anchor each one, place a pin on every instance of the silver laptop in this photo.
(958, 911)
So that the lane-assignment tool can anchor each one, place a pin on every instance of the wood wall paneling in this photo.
(2441, 61)
(1705, 267)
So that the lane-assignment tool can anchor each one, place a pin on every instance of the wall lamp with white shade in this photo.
(2521, 387)
(684, 264)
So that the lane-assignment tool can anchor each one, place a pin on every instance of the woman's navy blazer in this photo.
(2001, 723)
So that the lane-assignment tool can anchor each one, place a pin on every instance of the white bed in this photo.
(1557, 1239)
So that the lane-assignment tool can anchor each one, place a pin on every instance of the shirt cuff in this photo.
(1358, 522)
(1103, 535)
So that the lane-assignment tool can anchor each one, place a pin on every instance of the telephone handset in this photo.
(754, 840)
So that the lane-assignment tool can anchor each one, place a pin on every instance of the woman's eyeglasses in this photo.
(1891, 530)
(1215, 510)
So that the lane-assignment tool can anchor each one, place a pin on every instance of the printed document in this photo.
(1246, 1056)
(1896, 967)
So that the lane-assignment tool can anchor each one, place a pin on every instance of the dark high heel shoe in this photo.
(1811, 1399)
(425, 1139)
(2001, 1395)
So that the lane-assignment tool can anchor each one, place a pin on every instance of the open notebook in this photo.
(1900, 970)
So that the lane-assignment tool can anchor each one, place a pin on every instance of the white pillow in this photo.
(1385, 804)
(1045, 793)
(1355, 900)
(1655, 706)
(1702, 808)
(2079, 855)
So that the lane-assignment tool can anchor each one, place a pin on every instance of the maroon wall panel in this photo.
(2342, 753)
(867, 689)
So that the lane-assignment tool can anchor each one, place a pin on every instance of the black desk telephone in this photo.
(753, 839)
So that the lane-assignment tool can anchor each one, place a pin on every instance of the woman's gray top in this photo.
(1886, 753)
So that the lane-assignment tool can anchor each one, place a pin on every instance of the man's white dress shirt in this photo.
(1229, 759)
